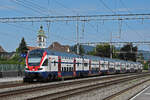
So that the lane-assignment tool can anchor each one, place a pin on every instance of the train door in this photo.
(106, 66)
(54, 63)
(102, 65)
(79, 65)
(83, 61)
(45, 64)
(85, 64)
(49, 63)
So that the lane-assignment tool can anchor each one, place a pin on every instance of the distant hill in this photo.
(86, 48)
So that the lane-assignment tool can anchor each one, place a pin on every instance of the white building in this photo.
(41, 38)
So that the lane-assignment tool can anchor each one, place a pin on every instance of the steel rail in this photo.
(53, 86)
(69, 93)
(125, 90)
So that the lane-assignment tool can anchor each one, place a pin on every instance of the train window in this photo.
(64, 69)
(102, 65)
(97, 69)
(45, 63)
(52, 53)
(77, 63)
(92, 68)
(69, 69)
(54, 63)
(72, 68)
(85, 64)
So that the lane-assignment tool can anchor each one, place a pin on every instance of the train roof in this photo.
(72, 55)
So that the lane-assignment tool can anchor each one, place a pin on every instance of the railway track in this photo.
(20, 83)
(11, 85)
(69, 93)
(111, 97)
(63, 89)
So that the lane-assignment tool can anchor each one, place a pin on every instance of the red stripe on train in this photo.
(59, 66)
(27, 61)
(74, 67)
(90, 67)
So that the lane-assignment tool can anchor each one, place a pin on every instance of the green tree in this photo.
(81, 49)
(146, 66)
(16, 59)
(140, 57)
(128, 52)
(104, 51)
(91, 53)
(22, 47)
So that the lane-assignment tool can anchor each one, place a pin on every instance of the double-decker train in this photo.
(46, 65)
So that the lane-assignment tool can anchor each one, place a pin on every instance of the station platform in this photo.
(11, 79)
(143, 95)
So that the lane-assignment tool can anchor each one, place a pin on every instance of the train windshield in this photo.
(34, 57)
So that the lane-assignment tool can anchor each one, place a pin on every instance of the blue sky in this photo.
(65, 32)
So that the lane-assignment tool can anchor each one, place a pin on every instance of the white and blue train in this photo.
(46, 65)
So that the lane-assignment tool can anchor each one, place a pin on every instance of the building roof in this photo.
(1, 49)
(32, 48)
(58, 47)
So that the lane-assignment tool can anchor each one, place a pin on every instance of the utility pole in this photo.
(77, 26)
(111, 46)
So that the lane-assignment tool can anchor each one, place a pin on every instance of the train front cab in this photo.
(37, 66)
(39, 74)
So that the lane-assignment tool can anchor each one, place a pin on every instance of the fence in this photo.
(11, 70)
